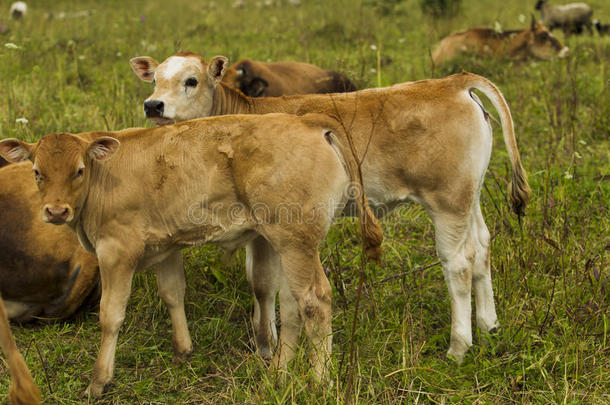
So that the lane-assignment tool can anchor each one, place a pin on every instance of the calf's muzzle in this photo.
(153, 108)
(56, 214)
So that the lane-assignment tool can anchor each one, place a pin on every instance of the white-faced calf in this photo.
(262, 79)
(427, 141)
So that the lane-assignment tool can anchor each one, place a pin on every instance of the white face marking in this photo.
(175, 64)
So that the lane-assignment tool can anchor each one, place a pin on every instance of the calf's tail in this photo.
(372, 233)
(519, 189)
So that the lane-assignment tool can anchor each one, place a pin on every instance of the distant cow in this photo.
(44, 272)
(602, 29)
(534, 42)
(571, 18)
(271, 79)
(18, 10)
(427, 141)
(23, 390)
(133, 199)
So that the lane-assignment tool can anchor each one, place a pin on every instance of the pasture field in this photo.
(550, 272)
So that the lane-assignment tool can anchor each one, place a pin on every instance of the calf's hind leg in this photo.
(311, 290)
(487, 320)
(454, 243)
(171, 285)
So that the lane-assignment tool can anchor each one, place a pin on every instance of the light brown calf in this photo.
(534, 42)
(23, 391)
(428, 141)
(138, 197)
(44, 272)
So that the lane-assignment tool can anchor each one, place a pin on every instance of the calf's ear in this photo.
(14, 150)
(144, 67)
(217, 68)
(257, 87)
(103, 147)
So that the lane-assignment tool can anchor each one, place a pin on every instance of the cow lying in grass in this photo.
(44, 272)
(427, 141)
(138, 197)
(269, 79)
(23, 391)
(534, 42)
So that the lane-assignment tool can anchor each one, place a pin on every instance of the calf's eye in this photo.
(37, 175)
(79, 173)
(191, 82)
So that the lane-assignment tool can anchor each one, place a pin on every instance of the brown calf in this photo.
(23, 391)
(44, 272)
(133, 199)
(428, 141)
(534, 42)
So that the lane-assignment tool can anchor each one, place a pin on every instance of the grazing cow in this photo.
(571, 18)
(428, 141)
(271, 79)
(534, 42)
(44, 272)
(23, 390)
(142, 206)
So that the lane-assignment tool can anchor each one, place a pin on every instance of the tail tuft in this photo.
(372, 234)
(519, 192)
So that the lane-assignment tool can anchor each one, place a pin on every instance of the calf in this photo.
(23, 390)
(272, 79)
(571, 18)
(142, 206)
(427, 141)
(534, 42)
(44, 272)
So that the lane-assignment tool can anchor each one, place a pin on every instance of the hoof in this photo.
(180, 358)
(265, 353)
(457, 354)
(95, 390)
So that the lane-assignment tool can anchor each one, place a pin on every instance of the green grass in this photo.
(550, 274)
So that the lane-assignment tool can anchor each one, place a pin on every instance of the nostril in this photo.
(57, 212)
(153, 108)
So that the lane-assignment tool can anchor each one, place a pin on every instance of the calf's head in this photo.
(184, 85)
(61, 168)
(540, 43)
(242, 77)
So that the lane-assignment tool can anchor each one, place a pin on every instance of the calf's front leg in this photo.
(171, 285)
(116, 273)
(263, 270)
